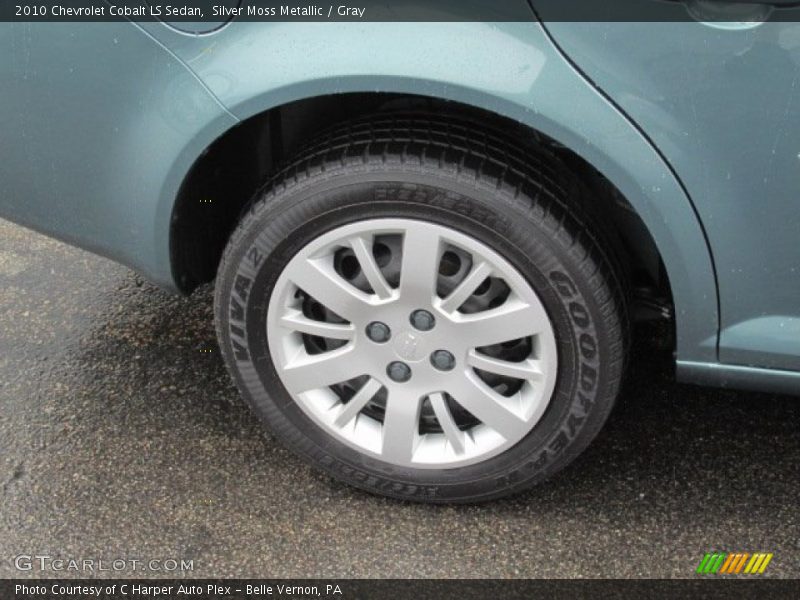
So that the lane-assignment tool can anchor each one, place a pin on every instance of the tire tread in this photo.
(520, 172)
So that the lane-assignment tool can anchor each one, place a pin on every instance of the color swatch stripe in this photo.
(729, 563)
(727, 566)
(741, 562)
(764, 564)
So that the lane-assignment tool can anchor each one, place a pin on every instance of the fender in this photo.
(116, 195)
(512, 69)
(90, 147)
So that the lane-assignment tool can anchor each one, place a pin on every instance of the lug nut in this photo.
(443, 360)
(378, 332)
(398, 371)
(422, 320)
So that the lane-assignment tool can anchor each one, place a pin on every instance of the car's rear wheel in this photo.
(423, 311)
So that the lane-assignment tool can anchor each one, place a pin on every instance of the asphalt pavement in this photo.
(122, 437)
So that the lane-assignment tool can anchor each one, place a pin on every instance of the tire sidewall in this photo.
(521, 231)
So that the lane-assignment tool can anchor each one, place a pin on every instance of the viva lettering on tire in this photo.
(422, 309)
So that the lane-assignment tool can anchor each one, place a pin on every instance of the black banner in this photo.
(399, 589)
(224, 11)
(220, 11)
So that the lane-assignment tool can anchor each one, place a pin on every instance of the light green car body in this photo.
(103, 122)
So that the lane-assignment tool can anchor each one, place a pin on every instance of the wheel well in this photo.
(224, 179)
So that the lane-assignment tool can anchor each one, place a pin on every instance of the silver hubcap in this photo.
(412, 342)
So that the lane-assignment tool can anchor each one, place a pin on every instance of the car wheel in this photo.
(423, 310)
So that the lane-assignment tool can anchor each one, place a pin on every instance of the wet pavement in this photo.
(121, 436)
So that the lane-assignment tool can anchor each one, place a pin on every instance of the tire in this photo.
(393, 181)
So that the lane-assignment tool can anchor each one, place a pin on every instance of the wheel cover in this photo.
(479, 378)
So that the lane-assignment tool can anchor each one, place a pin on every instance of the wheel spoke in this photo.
(370, 268)
(374, 314)
(312, 371)
(487, 405)
(420, 266)
(451, 431)
(400, 428)
(528, 369)
(358, 402)
(467, 287)
(325, 286)
(510, 321)
(296, 321)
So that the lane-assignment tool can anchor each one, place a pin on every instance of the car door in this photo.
(720, 100)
